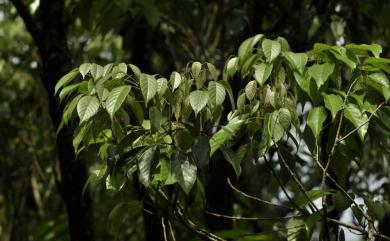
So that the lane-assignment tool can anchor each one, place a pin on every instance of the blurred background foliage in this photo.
(159, 37)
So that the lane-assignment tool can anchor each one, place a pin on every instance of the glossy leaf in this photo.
(87, 107)
(115, 99)
(316, 119)
(146, 165)
(297, 61)
(334, 103)
(247, 46)
(66, 79)
(217, 93)
(162, 84)
(321, 72)
(262, 72)
(148, 86)
(271, 49)
(224, 134)
(232, 66)
(251, 89)
(185, 171)
(358, 118)
(198, 100)
(175, 80)
(84, 69)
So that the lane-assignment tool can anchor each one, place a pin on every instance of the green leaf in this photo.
(66, 79)
(241, 102)
(87, 107)
(224, 134)
(70, 88)
(96, 71)
(175, 80)
(228, 89)
(233, 158)
(217, 93)
(107, 68)
(284, 118)
(201, 151)
(155, 116)
(115, 99)
(185, 172)
(70, 108)
(148, 85)
(247, 46)
(273, 127)
(321, 72)
(375, 208)
(198, 100)
(232, 66)
(301, 199)
(358, 118)
(316, 119)
(262, 72)
(196, 68)
(251, 89)
(162, 84)
(213, 71)
(334, 103)
(375, 49)
(297, 61)
(136, 71)
(296, 230)
(84, 69)
(380, 82)
(122, 67)
(271, 49)
(146, 165)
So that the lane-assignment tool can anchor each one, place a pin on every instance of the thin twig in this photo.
(357, 128)
(282, 186)
(256, 198)
(312, 206)
(252, 218)
(171, 231)
(164, 229)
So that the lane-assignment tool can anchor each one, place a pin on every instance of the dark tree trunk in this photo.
(219, 196)
(49, 31)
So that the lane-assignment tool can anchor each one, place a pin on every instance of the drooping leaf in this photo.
(358, 118)
(217, 93)
(175, 80)
(233, 158)
(66, 79)
(148, 86)
(316, 119)
(232, 66)
(251, 89)
(136, 71)
(246, 47)
(115, 99)
(87, 107)
(284, 118)
(321, 72)
(273, 127)
(67, 90)
(380, 82)
(96, 71)
(185, 171)
(198, 100)
(271, 49)
(84, 69)
(262, 72)
(146, 165)
(196, 68)
(334, 103)
(162, 84)
(213, 71)
(297, 61)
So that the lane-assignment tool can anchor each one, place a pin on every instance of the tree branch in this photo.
(28, 19)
